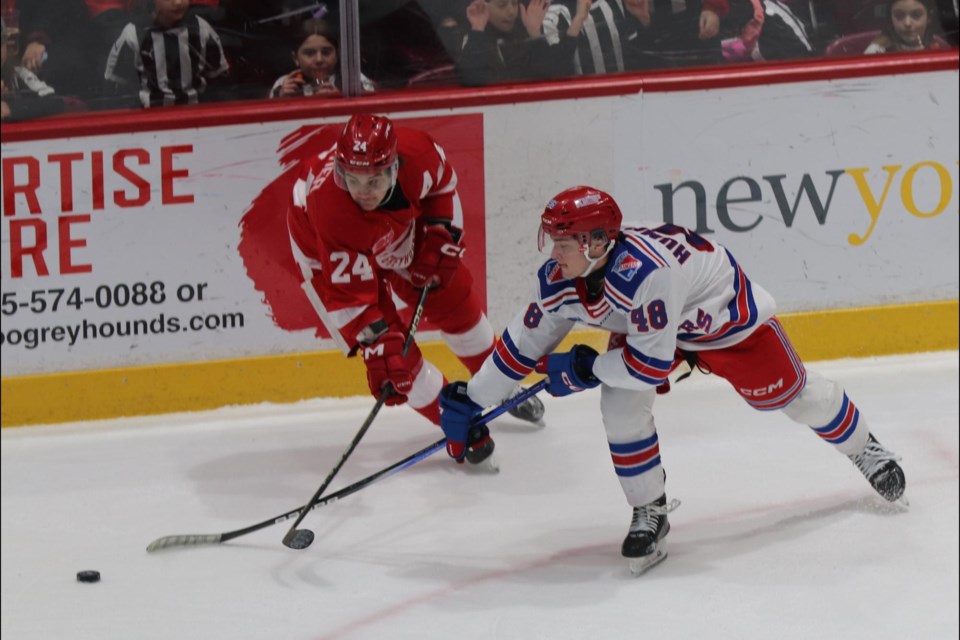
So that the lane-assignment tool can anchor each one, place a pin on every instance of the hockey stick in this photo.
(198, 539)
(189, 540)
(303, 538)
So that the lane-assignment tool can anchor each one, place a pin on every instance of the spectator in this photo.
(784, 34)
(676, 32)
(666, 295)
(623, 35)
(157, 50)
(449, 18)
(58, 45)
(255, 37)
(908, 26)
(505, 43)
(949, 21)
(766, 30)
(315, 49)
(398, 41)
(107, 20)
(22, 94)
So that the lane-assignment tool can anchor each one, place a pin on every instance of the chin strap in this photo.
(387, 197)
(395, 173)
(592, 262)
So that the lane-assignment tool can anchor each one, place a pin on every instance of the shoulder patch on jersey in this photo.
(632, 262)
(554, 290)
(626, 265)
(554, 274)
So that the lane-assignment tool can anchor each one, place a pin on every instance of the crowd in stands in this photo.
(81, 55)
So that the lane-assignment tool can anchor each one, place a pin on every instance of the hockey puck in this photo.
(88, 576)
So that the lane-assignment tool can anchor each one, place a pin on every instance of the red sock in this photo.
(473, 363)
(431, 412)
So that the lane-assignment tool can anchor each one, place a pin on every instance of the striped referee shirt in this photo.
(600, 44)
(173, 63)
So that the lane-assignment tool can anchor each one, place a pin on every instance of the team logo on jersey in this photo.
(395, 253)
(626, 265)
(383, 243)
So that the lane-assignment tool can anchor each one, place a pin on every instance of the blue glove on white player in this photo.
(457, 416)
(569, 372)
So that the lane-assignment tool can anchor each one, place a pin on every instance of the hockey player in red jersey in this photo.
(374, 217)
(666, 295)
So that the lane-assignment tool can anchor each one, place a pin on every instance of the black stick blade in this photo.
(301, 539)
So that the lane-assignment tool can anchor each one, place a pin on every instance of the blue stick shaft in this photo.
(507, 405)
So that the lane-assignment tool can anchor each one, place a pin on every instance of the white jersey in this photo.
(663, 288)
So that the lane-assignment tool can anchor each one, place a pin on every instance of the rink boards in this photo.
(146, 266)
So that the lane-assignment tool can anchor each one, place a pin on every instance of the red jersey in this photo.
(345, 252)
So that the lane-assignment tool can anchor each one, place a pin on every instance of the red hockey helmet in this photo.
(368, 145)
(580, 212)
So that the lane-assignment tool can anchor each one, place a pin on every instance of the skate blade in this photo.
(639, 566)
(533, 424)
(487, 466)
(883, 504)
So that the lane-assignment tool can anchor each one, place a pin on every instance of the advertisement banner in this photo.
(124, 250)
(832, 194)
(171, 246)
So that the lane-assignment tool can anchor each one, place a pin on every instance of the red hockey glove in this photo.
(436, 259)
(386, 365)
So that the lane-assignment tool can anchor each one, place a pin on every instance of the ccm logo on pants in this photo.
(762, 391)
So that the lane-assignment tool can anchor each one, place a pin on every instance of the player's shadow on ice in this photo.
(694, 548)
(696, 545)
(241, 485)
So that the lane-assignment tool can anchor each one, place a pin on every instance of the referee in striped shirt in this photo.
(602, 37)
(174, 56)
(613, 38)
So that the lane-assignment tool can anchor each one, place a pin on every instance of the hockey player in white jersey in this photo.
(666, 295)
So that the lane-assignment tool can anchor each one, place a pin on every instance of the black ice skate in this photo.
(880, 468)
(644, 546)
(530, 410)
(480, 456)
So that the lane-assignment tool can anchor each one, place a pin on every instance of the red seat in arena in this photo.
(850, 45)
(442, 76)
(855, 43)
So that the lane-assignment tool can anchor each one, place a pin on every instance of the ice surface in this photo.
(777, 537)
